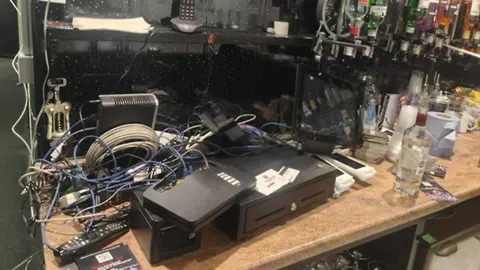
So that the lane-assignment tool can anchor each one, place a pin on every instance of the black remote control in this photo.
(90, 241)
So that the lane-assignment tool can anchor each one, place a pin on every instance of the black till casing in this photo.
(200, 197)
(314, 185)
(159, 239)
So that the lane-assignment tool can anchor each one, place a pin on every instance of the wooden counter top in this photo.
(358, 214)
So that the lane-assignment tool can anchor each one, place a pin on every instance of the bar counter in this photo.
(362, 213)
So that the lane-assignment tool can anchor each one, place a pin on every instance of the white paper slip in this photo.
(289, 174)
(269, 181)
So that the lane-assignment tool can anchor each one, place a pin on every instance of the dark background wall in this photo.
(8, 24)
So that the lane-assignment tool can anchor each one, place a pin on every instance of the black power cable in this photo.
(133, 60)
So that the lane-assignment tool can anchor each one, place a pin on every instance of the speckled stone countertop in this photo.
(358, 214)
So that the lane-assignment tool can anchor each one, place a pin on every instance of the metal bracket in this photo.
(58, 112)
(349, 48)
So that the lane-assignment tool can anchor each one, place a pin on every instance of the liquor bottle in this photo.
(414, 16)
(378, 10)
(370, 102)
(427, 25)
(442, 21)
(413, 158)
(406, 118)
(476, 32)
(356, 10)
(468, 21)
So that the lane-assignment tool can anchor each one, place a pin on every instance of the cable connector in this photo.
(67, 200)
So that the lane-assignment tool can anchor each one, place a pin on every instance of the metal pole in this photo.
(462, 50)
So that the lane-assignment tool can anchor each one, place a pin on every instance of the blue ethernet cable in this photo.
(174, 175)
(94, 205)
(59, 141)
(49, 213)
(182, 136)
(178, 155)
(115, 166)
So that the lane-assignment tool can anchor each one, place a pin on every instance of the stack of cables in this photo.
(124, 138)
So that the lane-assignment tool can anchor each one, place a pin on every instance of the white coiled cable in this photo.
(121, 138)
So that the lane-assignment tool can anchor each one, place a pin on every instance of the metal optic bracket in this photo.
(58, 112)
(350, 49)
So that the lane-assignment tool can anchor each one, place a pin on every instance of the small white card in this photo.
(289, 174)
(269, 182)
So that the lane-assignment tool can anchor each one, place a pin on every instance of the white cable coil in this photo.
(122, 138)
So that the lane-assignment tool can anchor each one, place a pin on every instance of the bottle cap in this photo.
(353, 31)
(421, 119)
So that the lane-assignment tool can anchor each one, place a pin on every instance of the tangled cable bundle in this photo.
(122, 138)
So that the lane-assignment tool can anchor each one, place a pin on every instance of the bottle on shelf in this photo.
(414, 16)
(442, 20)
(476, 31)
(376, 16)
(370, 102)
(413, 157)
(468, 22)
(406, 119)
(427, 26)
(356, 10)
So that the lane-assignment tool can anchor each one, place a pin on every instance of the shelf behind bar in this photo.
(65, 31)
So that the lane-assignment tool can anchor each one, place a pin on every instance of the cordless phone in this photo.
(187, 10)
(187, 21)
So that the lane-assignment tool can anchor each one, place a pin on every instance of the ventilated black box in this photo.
(159, 239)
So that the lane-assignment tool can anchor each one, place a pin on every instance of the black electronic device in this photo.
(90, 241)
(200, 197)
(215, 119)
(117, 110)
(159, 239)
(314, 185)
(187, 21)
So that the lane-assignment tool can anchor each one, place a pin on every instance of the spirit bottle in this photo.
(476, 32)
(442, 21)
(356, 10)
(468, 21)
(413, 158)
(370, 101)
(378, 10)
(406, 119)
(427, 25)
(414, 16)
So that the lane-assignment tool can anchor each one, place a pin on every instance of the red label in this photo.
(363, 2)
(353, 31)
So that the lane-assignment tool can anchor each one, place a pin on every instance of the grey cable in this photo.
(122, 138)
(29, 258)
